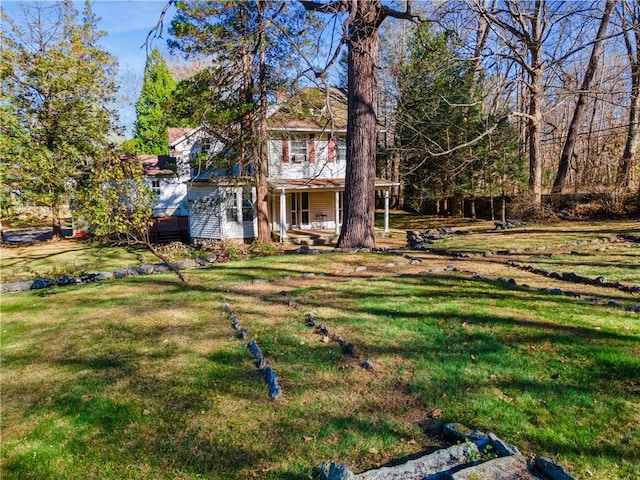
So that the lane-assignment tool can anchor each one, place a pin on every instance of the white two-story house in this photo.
(306, 173)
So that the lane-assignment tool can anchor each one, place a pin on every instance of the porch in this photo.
(310, 211)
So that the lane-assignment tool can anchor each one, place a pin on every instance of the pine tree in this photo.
(58, 83)
(150, 130)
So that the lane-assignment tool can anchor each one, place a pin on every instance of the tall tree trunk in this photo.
(536, 91)
(262, 210)
(572, 133)
(624, 177)
(56, 221)
(631, 33)
(359, 197)
(535, 135)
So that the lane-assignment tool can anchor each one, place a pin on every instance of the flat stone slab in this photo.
(438, 461)
(503, 468)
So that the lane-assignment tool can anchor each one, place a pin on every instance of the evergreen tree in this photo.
(150, 130)
(435, 115)
(58, 83)
(450, 147)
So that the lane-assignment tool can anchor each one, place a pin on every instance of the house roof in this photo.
(308, 109)
(154, 164)
(176, 133)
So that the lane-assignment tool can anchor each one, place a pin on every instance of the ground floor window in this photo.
(248, 210)
(300, 209)
(231, 206)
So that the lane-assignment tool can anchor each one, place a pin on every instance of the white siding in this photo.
(321, 203)
(204, 214)
(208, 216)
(320, 168)
(172, 197)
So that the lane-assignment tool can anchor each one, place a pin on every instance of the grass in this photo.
(144, 378)
(66, 257)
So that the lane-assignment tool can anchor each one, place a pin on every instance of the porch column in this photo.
(386, 212)
(283, 215)
(337, 212)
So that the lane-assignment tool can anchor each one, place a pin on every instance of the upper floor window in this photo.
(298, 150)
(342, 148)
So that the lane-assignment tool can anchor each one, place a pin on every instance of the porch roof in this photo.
(331, 184)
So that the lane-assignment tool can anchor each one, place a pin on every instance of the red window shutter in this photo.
(285, 150)
(332, 150)
(311, 149)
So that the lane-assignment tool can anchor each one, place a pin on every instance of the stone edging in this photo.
(64, 280)
(476, 455)
(574, 278)
(268, 374)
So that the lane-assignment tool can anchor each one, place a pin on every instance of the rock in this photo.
(427, 466)
(210, 258)
(121, 273)
(257, 353)
(311, 321)
(501, 448)
(161, 267)
(367, 365)
(503, 468)
(360, 268)
(460, 432)
(186, 263)
(41, 283)
(13, 287)
(552, 470)
(104, 276)
(146, 269)
(132, 271)
(271, 378)
(308, 275)
(333, 471)
(350, 349)
(63, 280)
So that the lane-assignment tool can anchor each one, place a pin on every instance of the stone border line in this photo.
(348, 348)
(553, 291)
(574, 278)
(421, 241)
(268, 374)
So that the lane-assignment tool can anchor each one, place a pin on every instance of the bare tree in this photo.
(630, 17)
(572, 133)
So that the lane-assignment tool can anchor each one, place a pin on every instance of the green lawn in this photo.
(66, 257)
(144, 378)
